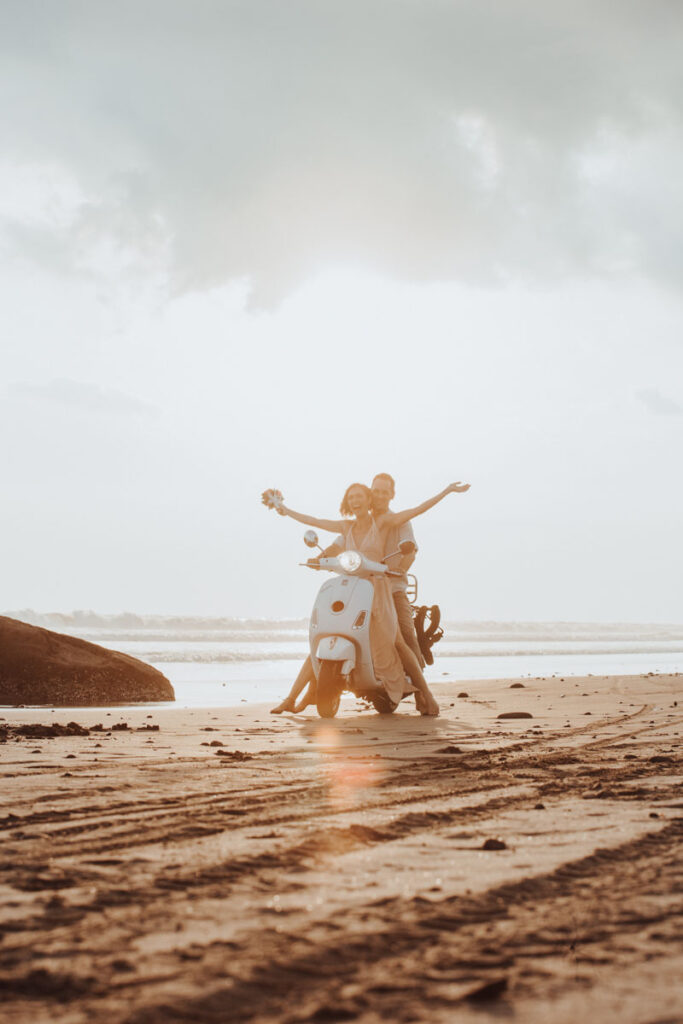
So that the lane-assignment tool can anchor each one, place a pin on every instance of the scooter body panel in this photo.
(340, 625)
(342, 610)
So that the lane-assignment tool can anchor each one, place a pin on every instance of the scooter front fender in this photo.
(337, 648)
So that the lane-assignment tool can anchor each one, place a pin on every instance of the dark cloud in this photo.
(471, 139)
(81, 395)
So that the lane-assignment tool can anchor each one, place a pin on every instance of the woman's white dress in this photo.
(383, 620)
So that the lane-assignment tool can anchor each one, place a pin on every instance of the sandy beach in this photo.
(167, 864)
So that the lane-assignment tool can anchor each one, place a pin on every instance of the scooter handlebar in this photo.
(332, 565)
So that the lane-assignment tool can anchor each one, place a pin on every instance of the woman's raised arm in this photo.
(273, 499)
(399, 518)
(333, 525)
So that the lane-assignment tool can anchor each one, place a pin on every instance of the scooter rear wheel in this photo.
(330, 689)
(383, 705)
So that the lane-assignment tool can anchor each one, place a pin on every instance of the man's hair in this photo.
(385, 476)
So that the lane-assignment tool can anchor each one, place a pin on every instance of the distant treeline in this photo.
(482, 631)
(81, 619)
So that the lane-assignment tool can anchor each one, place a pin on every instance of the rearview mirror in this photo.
(406, 547)
(311, 539)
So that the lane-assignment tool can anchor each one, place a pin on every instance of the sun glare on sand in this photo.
(347, 781)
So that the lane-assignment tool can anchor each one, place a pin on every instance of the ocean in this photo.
(214, 662)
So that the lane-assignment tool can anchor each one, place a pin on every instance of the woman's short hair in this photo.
(344, 507)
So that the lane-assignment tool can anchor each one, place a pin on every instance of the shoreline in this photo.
(233, 701)
(210, 863)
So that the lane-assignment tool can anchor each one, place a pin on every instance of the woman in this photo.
(367, 534)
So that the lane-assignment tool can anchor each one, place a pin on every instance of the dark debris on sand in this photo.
(46, 732)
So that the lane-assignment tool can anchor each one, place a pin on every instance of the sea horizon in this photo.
(229, 660)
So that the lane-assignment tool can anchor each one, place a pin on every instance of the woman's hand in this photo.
(457, 488)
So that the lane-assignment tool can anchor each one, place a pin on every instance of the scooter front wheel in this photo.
(330, 688)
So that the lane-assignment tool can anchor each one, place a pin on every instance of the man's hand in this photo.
(313, 562)
(458, 488)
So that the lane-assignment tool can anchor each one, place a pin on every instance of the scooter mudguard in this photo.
(337, 648)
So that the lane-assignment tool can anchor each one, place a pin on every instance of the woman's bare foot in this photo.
(287, 705)
(308, 698)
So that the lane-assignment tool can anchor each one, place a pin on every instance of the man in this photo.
(383, 490)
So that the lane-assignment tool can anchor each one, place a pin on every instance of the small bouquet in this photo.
(273, 499)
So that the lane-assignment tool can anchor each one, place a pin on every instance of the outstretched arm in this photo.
(333, 525)
(398, 518)
(273, 499)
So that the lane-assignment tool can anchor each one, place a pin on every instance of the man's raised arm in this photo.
(398, 518)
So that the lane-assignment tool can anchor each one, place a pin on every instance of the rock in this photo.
(493, 844)
(515, 714)
(516, 686)
(487, 991)
(463, 694)
(38, 666)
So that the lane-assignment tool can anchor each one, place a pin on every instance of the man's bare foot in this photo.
(287, 705)
(427, 705)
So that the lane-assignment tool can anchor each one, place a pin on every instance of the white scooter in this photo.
(339, 630)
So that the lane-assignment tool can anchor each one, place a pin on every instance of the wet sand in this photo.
(232, 865)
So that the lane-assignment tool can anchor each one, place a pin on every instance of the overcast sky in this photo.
(292, 244)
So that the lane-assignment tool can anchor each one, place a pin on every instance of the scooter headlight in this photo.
(350, 561)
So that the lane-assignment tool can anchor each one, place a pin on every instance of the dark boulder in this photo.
(38, 666)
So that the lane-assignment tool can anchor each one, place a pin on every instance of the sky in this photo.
(262, 244)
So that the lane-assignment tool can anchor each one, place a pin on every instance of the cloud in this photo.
(659, 404)
(472, 140)
(82, 395)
